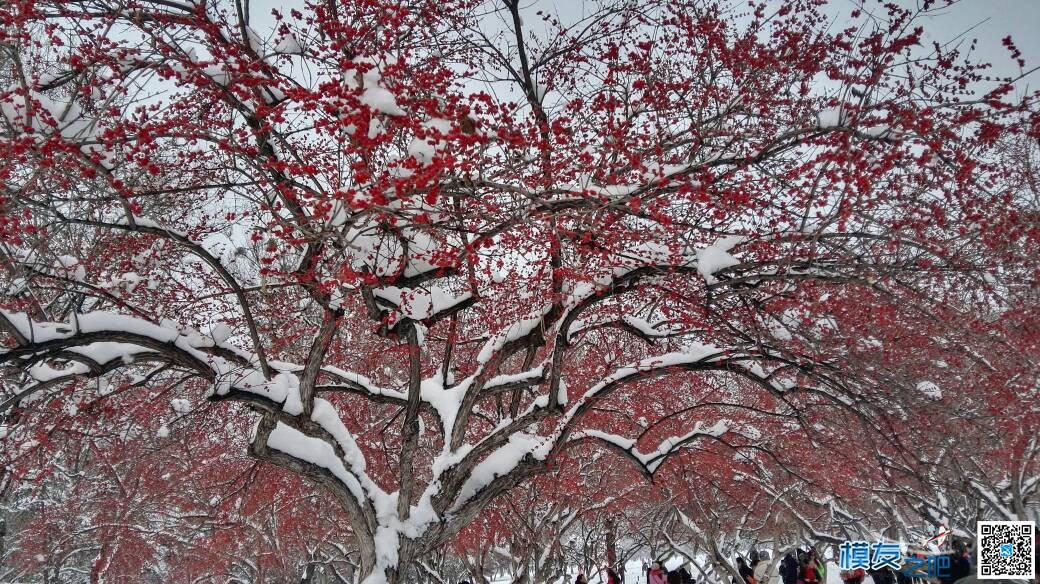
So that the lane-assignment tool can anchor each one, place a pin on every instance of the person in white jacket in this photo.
(761, 568)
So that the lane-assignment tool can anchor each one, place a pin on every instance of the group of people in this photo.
(802, 566)
(655, 572)
(755, 570)
(612, 577)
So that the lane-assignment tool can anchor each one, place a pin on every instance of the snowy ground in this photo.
(634, 574)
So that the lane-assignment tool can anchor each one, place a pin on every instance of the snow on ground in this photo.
(634, 574)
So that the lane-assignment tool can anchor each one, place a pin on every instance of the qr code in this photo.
(1007, 549)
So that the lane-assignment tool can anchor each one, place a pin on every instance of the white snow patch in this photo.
(381, 100)
(181, 406)
(499, 463)
(285, 388)
(318, 452)
(717, 257)
(513, 332)
(930, 389)
(288, 45)
(420, 303)
(42, 372)
(219, 332)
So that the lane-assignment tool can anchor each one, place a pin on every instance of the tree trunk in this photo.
(397, 574)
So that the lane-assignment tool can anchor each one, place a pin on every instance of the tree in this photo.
(543, 539)
(432, 255)
(119, 496)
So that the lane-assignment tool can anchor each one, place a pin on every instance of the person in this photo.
(612, 576)
(810, 573)
(745, 571)
(882, 576)
(853, 576)
(960, 565)
(581, 579)
(674, 577)
(801, 557)
(789, 569)
(684, 574)
(821, 566)
(761, 567)
(657, 575)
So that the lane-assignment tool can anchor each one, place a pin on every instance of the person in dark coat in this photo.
(960, 565)
(684, 574)
(883, 576)
(745, 571)
(789, 569)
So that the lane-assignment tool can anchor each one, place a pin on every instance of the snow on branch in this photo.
(422, 304)
(108, 339)
(651, 461)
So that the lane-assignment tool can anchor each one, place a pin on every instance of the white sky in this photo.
(987, 20)
(993, 20)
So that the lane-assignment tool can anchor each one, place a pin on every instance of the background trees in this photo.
(417, 252)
